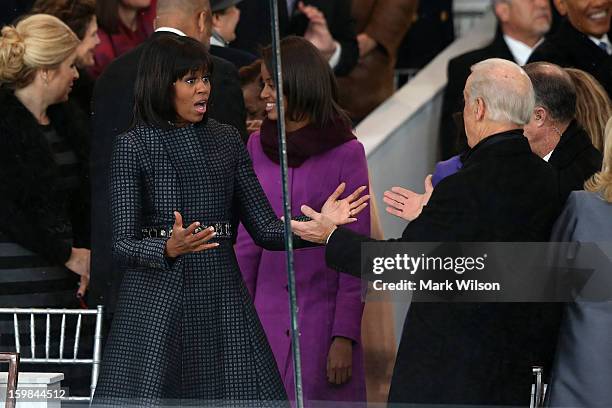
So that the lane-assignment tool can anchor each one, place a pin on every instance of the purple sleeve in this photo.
(349, 307)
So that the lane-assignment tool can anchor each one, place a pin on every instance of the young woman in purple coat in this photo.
(322, 152)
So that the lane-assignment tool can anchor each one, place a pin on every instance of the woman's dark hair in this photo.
(164, 60)
(76, 14)
(250, 73)
(107, 12)
(309, 83)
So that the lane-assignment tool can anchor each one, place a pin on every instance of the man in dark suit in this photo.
(328, 24)
(553, 132)
(582, 40)
(522, 26)
(112, 107)
(472, 353)
(225, 17)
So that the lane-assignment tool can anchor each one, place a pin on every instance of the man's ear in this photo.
(479, 109)
(540, 115)
(561, 6)
(502, 11)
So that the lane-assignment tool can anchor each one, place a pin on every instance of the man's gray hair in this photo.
(505, 89)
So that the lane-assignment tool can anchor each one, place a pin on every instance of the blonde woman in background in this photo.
(44, 190)
(582, 372)
(593, 106)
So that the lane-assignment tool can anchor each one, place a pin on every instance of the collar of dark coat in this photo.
(573, 143)
(579, 42)
(499, 47)
(22, 132)
(501, 144)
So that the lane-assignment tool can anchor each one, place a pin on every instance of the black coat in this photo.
(31, 206)
(568, 47)
(458, 72)
(474, 353)
(112, 106)
(253, 30)
(575, 159)
(237, 57)
(186, 328)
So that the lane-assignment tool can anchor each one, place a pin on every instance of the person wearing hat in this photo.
(225, 17)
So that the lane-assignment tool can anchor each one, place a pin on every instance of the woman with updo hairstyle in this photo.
(44, 193)
(80, 16)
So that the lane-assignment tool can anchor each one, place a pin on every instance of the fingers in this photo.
(204, 247)
(359, 203)
(357, 210)
(339, 190)
(402, 191)
(356, 193)
(190, 229)
(428, 183)
(83, 286)
(394, 211)
(178, 220)
(391, 198)
(309, 212)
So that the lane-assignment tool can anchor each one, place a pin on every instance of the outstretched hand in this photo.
(407, 204)
(190, 239)
(343, 211)
(333, 213)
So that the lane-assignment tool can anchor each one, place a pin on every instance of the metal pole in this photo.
(282, 146)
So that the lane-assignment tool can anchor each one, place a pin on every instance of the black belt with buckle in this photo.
(222, 230)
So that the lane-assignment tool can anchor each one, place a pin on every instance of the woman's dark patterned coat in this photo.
(186, 329)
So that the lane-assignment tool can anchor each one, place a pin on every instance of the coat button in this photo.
(287, 332)
(287, 288)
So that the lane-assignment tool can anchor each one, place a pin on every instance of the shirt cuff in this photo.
(329, 236)
(335, 58)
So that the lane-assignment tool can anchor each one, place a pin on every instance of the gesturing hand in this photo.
(407, 204)
(317, 31)
(343, 211)
(186, 240)
(79, 263)
(340, 361)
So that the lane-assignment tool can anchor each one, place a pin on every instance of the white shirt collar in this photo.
(216, 39)
(547, 157)
(171, 30)
(520, 51)
(604, 38)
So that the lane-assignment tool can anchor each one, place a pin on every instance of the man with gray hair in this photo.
(522, 25)
(471, 353)
(553, 132)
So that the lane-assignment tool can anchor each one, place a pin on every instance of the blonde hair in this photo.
(37, 42)
(602, 182)
(593, 105)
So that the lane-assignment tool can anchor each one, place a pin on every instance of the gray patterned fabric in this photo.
(186, 331)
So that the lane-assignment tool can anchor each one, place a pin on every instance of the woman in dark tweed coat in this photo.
(185, 327)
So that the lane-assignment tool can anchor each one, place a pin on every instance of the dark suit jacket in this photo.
(237, 57)
(575, 159)
(112, 107)
(253, 30)
(458, 72)
(474, 353)
(568, 47)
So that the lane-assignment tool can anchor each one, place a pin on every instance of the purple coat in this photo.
(329, 302)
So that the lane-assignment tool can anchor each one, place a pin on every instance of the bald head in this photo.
(181, 6)
(193, 17)
(504, 88)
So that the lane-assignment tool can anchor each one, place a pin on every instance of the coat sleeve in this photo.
(126, 192)
(390, 21)
(256, 213)
(342, 29)
(564, 227)
(349, 307)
